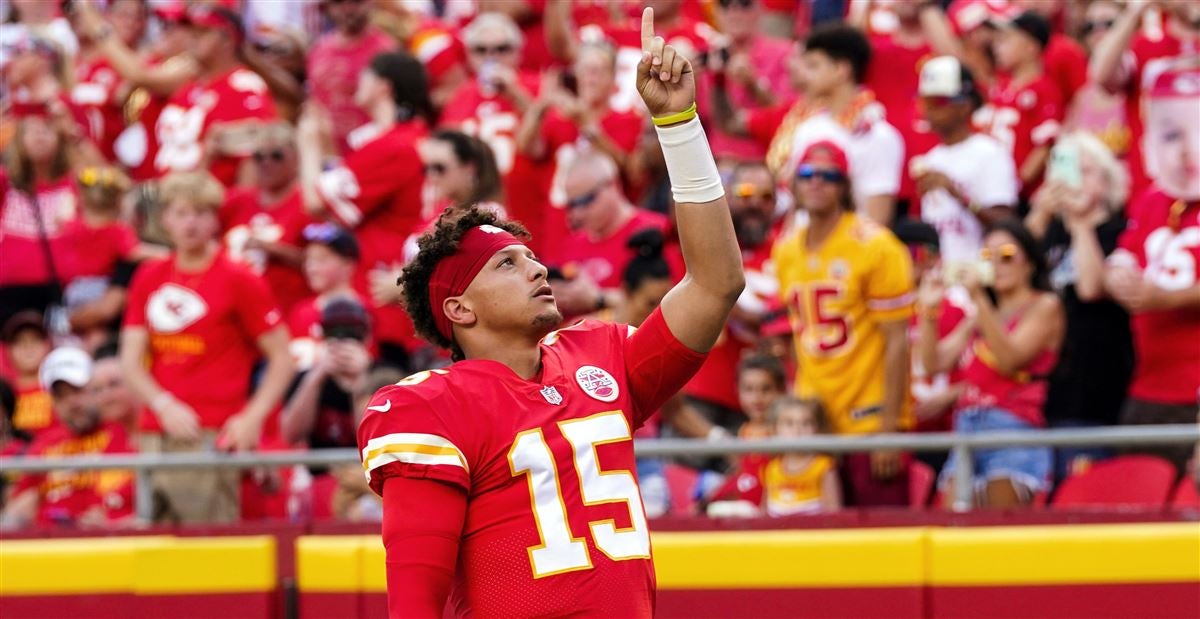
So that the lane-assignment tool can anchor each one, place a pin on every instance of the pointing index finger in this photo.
(647, 29)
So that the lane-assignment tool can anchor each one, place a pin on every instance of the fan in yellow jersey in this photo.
(848, 285)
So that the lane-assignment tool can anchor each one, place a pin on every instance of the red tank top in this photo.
(1022, 393)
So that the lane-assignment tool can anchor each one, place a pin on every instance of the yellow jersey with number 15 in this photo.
(837, 296)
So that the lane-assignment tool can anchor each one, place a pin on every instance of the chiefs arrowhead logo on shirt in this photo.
(597, 383)
(173, 308)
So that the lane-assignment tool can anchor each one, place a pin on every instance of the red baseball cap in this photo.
(827, 152)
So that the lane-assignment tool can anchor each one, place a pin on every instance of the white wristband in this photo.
(690, 165)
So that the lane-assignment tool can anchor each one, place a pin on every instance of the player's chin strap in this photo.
(690, 165)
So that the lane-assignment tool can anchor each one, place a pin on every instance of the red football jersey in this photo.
(376, 192)
(94, 251)
(604, 260)
(94, 97)
(1066, 64)
(1023, 117)
(1167, 342)
(490, 117)
(203, 330)
(554, 524)
(235, 96)
(245, 217)
(333, 69)
(66, 495)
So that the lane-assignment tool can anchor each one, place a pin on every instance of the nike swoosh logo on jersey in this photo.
(387, 406)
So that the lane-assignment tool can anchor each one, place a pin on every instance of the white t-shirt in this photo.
(984, 171)
(876, 152)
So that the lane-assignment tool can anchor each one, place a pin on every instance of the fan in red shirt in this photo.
(571, 115)
(264, 224)
(376, 189)
(713, 391)
(1155, 273)
(490, 106)
(26, 344)
(330, 260)
(1024, 106)
(336, 60)
(602, 220)
(72, 498)
(195, 327)
(99, 91)
(1127, 61)
(468, 458)
(212, 120)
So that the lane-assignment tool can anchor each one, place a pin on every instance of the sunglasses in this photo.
(808, 173)
(585, 200)
(502, 49)
(747, 191)
(1006, 253)
(942, 101)
(1092, 26)
(745, 4)
(262, 156)
(92, 176)
(321, 233)
(435, 169)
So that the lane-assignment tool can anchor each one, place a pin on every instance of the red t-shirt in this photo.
(604, 260)
(245, 217)
(138, 145)
(537, 194)
(22, 250)
(893, 75)
(543, 463)
(333, 70)
(95, 251)
(94, 97)
(235, 96)
(716, 381)
(376, 192)
(203, 329)
(769, 57)
(490, 117)
(923, 386)
(1167, 342)
(66, 495)
(1023, 117)
(1066, 64)
(1144, 61)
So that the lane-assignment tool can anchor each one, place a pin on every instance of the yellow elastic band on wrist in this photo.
(677, 117)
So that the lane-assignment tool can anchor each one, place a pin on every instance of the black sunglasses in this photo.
(437, 169)
(499, 50)
(1092, 26)
(262, 156)
(731, 3)
(808, 173)
(586, 199)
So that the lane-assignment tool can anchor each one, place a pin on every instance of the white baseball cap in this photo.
(68, 364)
(944, 76)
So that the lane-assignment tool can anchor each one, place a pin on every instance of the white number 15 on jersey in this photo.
(559, 551)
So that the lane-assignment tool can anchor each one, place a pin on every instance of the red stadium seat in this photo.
(681, 483)
(921, 477)
(1186, 494)
(1144, 481)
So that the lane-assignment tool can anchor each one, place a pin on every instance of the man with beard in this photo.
(74, 498)
(712, 392)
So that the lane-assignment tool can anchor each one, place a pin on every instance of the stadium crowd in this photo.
(968, 215)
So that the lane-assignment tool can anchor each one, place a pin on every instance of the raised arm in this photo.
(1105, 66)
(695, 309)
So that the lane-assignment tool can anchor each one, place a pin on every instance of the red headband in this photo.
(454, 273)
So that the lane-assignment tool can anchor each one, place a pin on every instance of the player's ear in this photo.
(458, 312)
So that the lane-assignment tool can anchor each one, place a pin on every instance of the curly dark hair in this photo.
(433, 246)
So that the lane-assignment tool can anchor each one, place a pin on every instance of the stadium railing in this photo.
(961, 444)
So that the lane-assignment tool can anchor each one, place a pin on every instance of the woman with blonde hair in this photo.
(1079, 224)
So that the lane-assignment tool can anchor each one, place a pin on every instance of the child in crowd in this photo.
(760, 382)
(798, 483)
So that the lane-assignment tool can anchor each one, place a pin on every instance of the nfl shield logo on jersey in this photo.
(597, 383)
(551, 394)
